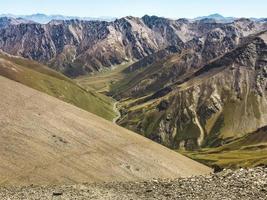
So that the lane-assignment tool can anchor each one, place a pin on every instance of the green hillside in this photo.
(42, 78)
(102, 82)
(248, 151)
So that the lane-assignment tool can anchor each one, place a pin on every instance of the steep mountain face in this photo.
(6, 21)
(205, 105)
(78, 47)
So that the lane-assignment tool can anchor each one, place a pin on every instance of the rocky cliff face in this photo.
(205, 105)
(77, 47)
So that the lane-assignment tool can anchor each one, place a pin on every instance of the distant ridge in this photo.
(44, 19)
(217, 17)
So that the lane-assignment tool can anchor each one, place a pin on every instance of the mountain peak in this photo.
(216, 15)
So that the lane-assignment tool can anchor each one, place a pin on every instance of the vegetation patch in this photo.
(248, 151)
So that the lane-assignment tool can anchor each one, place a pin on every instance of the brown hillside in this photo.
(46, 141)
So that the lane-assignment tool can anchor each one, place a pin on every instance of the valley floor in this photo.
(242, 184)
(229, 159)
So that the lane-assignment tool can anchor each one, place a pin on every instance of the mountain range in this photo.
(44, 19)
(196, 86)
(76, 47)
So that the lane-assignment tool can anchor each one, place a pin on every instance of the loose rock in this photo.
(242, 184)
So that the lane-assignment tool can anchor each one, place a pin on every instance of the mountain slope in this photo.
(206, 107)
(247, 151)
(55, 84)
(46, 141)
(172, 64)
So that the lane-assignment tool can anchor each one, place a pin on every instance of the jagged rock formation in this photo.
(200, 104)
(77, 47)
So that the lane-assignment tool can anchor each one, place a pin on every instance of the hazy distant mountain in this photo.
(217, 17)
(6, 21)
(44, 19)
(263, 20)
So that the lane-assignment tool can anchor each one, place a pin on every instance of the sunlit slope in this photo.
(219, 102)
(248, 151)
(40, 77)
(46, 141)
(103, 81)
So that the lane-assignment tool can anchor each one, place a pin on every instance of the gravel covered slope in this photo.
(241, 184)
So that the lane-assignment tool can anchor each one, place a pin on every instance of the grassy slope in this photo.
(102, 81)
(55, 84)
(248, 151)
(141, 75)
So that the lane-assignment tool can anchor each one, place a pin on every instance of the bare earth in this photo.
(46, 141)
